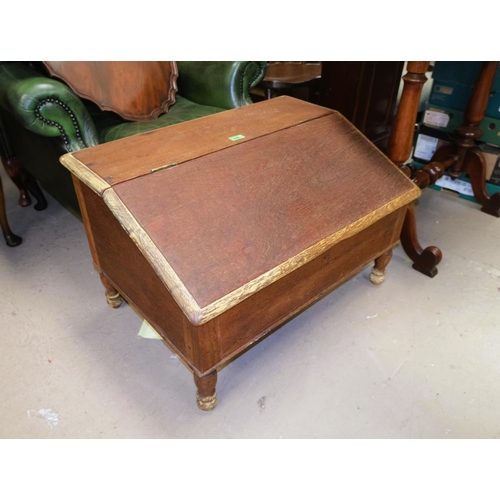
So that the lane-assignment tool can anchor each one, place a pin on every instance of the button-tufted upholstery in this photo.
(45, 118)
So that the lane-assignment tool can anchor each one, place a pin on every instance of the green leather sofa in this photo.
(44, 118)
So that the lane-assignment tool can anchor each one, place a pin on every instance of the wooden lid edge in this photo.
(153, 255)
(84, 173)
(230, 300)
(198, 316)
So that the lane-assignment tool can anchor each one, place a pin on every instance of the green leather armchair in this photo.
(43, 118)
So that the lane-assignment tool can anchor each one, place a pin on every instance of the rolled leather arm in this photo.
(222, 84)
(45, 106)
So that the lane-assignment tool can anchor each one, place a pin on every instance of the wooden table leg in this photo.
(113, 297)
(398, 150)
(206, 397)
(377, 275)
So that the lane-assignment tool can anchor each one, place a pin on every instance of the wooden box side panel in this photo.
(116, 255)
(245, 323)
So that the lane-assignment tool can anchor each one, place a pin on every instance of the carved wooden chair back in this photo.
(137, 91)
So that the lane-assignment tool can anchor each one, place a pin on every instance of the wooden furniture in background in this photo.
(134, 90)
(288, 77)
(23, 181)
(220, 229)
(462, 156)
(398, 150)
(364, 92)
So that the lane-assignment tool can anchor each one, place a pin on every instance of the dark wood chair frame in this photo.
(454, 159)
(24, 181)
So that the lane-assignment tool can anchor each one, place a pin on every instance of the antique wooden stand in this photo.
(220, 229)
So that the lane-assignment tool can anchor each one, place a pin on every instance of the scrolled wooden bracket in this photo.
(398, 150)
(475, 166)
(424, 260)
(470, 159)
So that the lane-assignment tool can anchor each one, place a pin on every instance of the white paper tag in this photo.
(436, 118)
(426, 147)
(457, 185)
(442, 89)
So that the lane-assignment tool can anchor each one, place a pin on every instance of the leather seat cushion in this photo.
(111, 127)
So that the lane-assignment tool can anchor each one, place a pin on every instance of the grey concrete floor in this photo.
(413, 358)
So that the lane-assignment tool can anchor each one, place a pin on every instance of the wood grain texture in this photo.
(233, 219)
(401, 138)
(84, 174)
(135, 90)
(141, 154)
(128, 270)
(365, 92)
(228, 228)
(259, 314)
(209, 346)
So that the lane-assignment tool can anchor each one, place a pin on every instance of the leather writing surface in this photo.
(226, 218)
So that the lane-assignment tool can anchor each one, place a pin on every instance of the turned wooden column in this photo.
(470, 159)
(399, 150)
(403, 127)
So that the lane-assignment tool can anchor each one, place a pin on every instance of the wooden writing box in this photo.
(219, 229)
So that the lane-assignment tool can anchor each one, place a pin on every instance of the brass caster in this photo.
(115, 301)
(377, 277)
(207, 403)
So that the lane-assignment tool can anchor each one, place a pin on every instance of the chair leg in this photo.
(11, 239)
(26, 184)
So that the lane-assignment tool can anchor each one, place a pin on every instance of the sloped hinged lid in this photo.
(220, 218)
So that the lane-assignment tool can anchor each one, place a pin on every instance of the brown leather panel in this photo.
(224, 219)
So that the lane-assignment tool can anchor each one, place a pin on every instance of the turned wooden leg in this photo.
(23, 180)
(206, 397)
(398, 150)
(424, 261)
(113, 298)
(11, 239)
(377, 276)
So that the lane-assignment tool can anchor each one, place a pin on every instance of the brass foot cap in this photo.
(207, 403)
(377, 277)
(114, 301)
